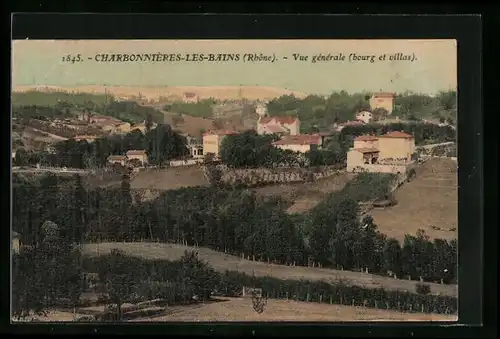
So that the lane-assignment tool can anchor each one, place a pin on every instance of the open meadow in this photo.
(169, 178)
(241, 309)
(222, 262)
(224, 309)
(304, 196)
(188, 124)
(430, 199)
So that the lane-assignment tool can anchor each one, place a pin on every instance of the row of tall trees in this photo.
(49, 105)
(47, 276)
(161, 143)
(318, 112)
(202, 108)
(47, 273)
(422, 132)
(236, 222)
(249, 150)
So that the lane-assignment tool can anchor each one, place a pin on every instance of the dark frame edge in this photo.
(470, 146)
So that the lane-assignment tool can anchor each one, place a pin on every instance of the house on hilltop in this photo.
(300, 143)
(189, 97)
(389, 153)
(383, 100)
(281, 125)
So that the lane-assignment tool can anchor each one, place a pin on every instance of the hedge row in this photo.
(230, 284)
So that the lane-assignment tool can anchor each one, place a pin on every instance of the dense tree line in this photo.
(236, 222)
(202, 108)
(46, 274)
(442, 106)
(161, 144)
(56, 98)
(53, 275)
(317, 112)
(51, 105)
(249, 150)
(167, 279)
(130, 111)
(423, 133)
(37, 112)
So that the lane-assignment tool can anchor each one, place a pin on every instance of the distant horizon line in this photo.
(235, 86)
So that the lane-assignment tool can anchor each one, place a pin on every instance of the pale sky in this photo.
(39, 62)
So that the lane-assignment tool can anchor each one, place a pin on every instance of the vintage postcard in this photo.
(234, 180)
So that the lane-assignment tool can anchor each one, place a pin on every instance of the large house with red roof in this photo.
(280, 125)
(383, 153)
(300, 143)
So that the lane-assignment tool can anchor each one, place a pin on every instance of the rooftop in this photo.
(366, 150)
(279, 119)
(366, 138)
(136, 152)
(275, 129)
(304, 139)
(220, 132)
(397, 134)
(384, 95)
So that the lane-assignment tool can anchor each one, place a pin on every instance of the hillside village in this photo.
(253, 193)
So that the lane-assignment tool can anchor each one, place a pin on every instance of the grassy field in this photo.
(222, 262)
(305, 196)
(174, 92)
(241, 309)
(35, 139)
(189, 124)
(169, 178)
(302, 196)
(431, 199)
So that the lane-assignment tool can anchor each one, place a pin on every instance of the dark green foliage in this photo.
(201, 108)
(423, 289)
(39, 112)
(236, 222)
(316, 112)
(131, 111)
(57, 99)
(46, 274)
(249, 150)
(231, 283)
(160, 143)
(423, 133)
